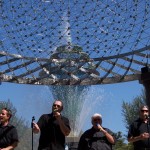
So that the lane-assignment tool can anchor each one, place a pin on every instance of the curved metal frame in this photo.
(111, 41)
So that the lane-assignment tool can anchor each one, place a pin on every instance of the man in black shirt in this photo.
(53, 128)
(98, 137)
(8, 133)
(139, 130)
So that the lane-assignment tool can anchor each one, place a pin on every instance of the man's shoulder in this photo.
(108, 130)
(10, 126)
(138, 120)
(87, 134)
(64, 117)
(46, 115)
(88, 131)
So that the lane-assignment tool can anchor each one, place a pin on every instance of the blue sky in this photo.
(33, 100)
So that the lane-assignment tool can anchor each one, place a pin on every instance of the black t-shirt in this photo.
(8, 135)
(136, 128)
(51, 136)
(93, 139)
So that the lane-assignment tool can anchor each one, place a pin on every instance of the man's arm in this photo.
(36, 128)
(109, 137)
(142, 136)
(65, 130)
(10, 147)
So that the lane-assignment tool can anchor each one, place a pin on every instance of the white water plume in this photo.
(93, 100)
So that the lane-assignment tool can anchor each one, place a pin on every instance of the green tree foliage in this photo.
(120, 143)
(130, 110)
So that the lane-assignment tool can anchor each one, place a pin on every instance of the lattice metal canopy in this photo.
(73, 42)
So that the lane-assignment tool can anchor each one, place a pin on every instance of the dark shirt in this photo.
(136, 128)
(8, 135)
(93, 139)
(51, 137)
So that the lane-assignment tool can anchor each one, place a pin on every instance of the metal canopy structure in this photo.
(73, 42)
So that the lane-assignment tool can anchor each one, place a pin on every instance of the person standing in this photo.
(98, 137)
(139, 130)
(8, 133)
(53, 128)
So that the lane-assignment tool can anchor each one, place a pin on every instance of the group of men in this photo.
(53, 128)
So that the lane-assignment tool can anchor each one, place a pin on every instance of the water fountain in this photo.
(107, 36)
(73, 96)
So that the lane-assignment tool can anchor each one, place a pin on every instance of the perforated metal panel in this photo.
(73, 42)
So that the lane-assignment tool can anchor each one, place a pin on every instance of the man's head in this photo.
(96, 119)
(5, 115)
(57, 106)
(144, 112)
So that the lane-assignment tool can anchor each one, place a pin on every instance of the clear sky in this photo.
(33, 100)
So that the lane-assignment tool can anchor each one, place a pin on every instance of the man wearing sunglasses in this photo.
(139, 130)
(53, 128)
(98, 137)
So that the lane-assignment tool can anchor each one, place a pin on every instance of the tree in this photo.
(131, 109)
(120, 144)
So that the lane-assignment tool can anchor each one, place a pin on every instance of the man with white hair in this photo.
(98, 137)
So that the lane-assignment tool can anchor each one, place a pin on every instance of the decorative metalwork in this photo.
(74, 42)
